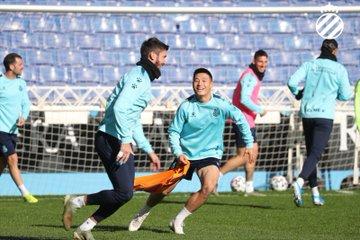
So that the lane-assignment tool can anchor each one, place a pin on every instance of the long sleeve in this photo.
(296, 78)
(357, 105)
(25, 103)
(130, 92)
(175, 130)
(344, 92)
(238, 117)
(247, 87)
(140, 139)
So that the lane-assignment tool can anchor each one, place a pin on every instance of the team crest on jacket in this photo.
(216, 112)
(20, 88)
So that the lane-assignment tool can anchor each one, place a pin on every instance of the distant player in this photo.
(14, 110)
(246, 98)
(117, 130)
(196, 134)
(326, 81)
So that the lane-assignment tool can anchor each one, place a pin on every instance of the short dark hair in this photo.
(10, 59)
(202, 70)
(150, 45)
(260, 53)
(329, 44)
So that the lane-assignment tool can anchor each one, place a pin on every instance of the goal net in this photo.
(60, 139)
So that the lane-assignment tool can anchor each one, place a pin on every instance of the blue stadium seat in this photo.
(226, 75)
(302, 42)
(30, 75)
(194, 25)
(134, 24)
(173, 75)
(280, 26)
(208, 42)
(252, 26)
(129, 58)
(41, 57)
(102, 24)
(163, 25)
(23, 40)
(15, 24)
(49, 75)
(224, 59)
(103, 58)
(305, 25)
(4, 41)
(196, 58)
(175, 58)
(274, 41)
(47, 23)
(114, 41)
(239, 42)
(86, 76)
(57, 40)
(179, 41)
(74, 24)
(72, 58)
(223, 25)
(87, 41)
(111, 75)
(349, 58)
(283, 58)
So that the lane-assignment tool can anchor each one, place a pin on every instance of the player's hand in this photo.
(20, 122)
(299, 95)
(182, 159)
(124, 153)
(154, 161)
(263, 113)
(251, 154)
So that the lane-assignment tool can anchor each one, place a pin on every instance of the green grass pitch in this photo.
(228, 216)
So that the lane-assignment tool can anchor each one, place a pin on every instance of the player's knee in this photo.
(12, 162)
(128, 195)
(207, 190)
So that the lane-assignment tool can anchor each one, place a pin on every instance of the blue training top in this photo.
(325, 81)
(124, 106)
(197, 128)
(14, 103)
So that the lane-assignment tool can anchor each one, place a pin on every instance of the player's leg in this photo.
(308, 130)
(8, 146)
(2, 164)
(317, 199)
(152, 201)
(234, 162)
(208, 176)
(318, 130)
(321, 135)
(249, 173)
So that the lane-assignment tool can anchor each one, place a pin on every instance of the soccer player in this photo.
(14, 110)
(326, 81)
(196, 134)
(121, 124)
(246, 98)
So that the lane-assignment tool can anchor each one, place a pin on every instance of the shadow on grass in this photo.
(27, 238)
(225, 204)
(100, 228)
(125, 228)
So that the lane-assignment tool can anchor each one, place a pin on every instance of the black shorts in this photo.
(196, 165)
(239, 137)
(7, 144)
